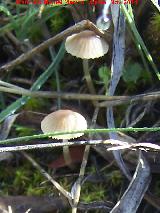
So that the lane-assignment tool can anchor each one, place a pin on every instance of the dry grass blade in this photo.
(116, 72)
(136, 189)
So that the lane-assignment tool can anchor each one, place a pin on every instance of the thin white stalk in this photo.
(88, 79)
(66, 154)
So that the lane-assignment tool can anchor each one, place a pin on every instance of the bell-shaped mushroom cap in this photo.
(86, 45)
(64, 120)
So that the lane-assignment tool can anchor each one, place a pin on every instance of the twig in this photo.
(10, 86)
(86, 24)
(46, 175)
(47, 204)
(12, 108)
(110, 145)
(77, 185)
(109, 100)
(50, 145)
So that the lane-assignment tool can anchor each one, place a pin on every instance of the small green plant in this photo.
(134, 75)
(132, 72)
(104, 76)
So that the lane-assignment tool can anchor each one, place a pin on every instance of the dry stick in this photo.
(92, 90)
(83, 25)
(110, 145)
(11, 86)
(38, 60)
(22, 80)
(109, 100)
(46, 175)
(79, 181)
(83, 167)
(52, 145)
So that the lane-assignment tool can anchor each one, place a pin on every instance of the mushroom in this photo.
(87, 45)
(61, 121)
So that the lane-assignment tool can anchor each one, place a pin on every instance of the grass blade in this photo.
(36, 86)
(139, 40)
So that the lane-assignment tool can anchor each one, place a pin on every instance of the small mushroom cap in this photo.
(86, 45)
(64, 120)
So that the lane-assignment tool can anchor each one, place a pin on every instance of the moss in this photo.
(23, 131)
(93, 192)
(152, 37)
(155, 22)
(36, 104)
(59, 20)
(23, 180)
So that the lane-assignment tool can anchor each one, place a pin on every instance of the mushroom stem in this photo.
(88, 78)
(66, 154)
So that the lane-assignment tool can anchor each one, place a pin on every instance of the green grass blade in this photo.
(17, 20)
(90, 131)
(139, 39)
(5, 10)
(36, 86)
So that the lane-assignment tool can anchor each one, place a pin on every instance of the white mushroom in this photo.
(61, 121)
(86, 45)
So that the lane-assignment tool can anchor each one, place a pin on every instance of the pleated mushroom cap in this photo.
(86, 45)
(64, 120)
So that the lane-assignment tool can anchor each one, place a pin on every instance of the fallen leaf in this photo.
(76, 156)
